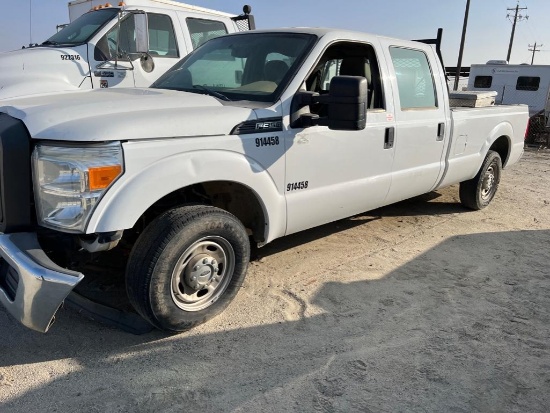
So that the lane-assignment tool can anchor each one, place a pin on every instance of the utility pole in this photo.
(462, 40)
(534, 49)
(517, 17)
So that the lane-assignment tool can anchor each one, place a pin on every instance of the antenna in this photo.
(30, 22)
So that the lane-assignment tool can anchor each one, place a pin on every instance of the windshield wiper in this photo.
(50, 42)
(212, 92)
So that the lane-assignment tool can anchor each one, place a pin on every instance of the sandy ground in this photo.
(417, 307)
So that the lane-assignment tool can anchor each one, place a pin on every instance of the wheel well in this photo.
(232, 197)
(502, 147)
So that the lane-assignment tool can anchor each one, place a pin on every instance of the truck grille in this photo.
(9, 279)
(15, 175)
(1, 213)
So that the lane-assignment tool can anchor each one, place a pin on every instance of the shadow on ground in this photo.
(460, 328)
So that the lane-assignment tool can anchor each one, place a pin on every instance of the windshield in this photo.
(83, 28)
(253, 66)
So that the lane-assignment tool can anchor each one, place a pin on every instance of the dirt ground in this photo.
(417, 307)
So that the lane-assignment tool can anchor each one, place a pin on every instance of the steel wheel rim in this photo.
(202, 273)
(489, 183)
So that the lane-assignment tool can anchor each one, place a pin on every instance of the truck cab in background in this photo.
(128, 45)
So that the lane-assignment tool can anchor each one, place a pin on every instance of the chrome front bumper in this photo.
(32, 287)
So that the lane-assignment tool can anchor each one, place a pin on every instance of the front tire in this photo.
(478, 192)
(187, 266)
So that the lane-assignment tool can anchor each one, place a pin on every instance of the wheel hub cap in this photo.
(200, 272)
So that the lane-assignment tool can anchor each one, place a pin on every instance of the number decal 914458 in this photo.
(296, 186)
(267, 141)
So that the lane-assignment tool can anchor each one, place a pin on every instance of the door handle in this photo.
(440, 131)
(389, 138)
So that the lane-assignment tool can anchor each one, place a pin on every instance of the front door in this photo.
(110, 65)
(335, 174)
(128, 71)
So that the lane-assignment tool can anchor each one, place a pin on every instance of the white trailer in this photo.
(515, 84)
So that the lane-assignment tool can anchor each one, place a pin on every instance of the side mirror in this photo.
(142, 33)
(346, 105)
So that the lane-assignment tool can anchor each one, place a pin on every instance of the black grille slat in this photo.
(9, 279)
(15, 175)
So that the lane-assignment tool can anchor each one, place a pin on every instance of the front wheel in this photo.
(478, 192)
(187, 266)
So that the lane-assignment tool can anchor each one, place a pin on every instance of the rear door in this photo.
(421, 121)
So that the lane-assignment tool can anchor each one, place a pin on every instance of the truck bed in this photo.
(466, 153)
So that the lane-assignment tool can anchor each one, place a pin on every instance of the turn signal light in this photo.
(102, 176)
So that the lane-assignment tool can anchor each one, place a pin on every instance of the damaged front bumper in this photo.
(32, 287)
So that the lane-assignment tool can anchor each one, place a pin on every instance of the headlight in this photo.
(69, 181)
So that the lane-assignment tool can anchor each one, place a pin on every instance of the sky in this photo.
(487, 37)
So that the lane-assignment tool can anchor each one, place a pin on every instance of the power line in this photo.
(517, 17)
(534, 49)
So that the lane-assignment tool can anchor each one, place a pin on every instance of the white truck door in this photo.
(166, 47)
(421, 126)
(110, 66)
(335, 174)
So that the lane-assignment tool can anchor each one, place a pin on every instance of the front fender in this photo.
(144, 183)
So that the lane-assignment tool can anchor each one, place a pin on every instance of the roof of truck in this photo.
(155, 3)
(324, 31)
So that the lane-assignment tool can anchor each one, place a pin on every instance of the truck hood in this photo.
(42, 70)
(124, 114)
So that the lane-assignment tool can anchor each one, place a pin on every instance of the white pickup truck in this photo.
(124, 44)
(251, 137)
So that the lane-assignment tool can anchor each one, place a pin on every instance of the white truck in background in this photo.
(252, 137)
(126, 44)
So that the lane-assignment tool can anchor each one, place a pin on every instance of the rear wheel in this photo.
(187, 266)
(478, 192)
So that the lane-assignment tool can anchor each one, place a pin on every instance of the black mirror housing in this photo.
(346, 105)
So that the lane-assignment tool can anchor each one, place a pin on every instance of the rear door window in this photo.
(414, 79)
(202, 30)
